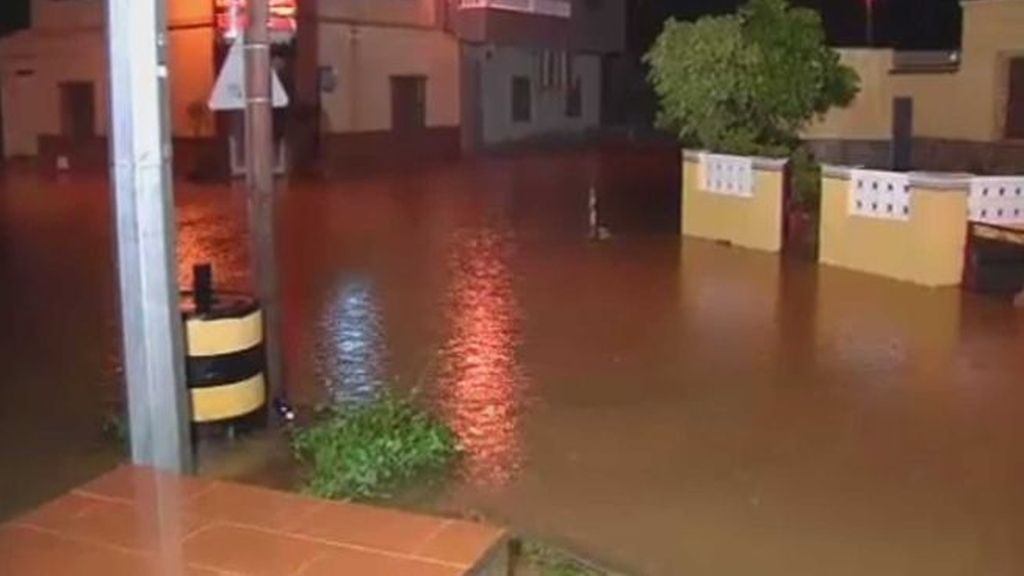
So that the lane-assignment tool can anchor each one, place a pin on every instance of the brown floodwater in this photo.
(665, 406)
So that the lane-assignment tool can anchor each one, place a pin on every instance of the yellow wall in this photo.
(928, 249)
(189, 11)
(869, 117)
(749, 222)
(81, 56)
(365, 57)
(75, 56)
(192, 76)
(67, 44)
(993, 32)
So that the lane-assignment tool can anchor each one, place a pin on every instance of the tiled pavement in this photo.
(135, 521)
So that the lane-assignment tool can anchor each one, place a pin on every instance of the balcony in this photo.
(556, 8)
(543, 24)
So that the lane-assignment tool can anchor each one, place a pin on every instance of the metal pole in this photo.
(259, 158)
(158, 407)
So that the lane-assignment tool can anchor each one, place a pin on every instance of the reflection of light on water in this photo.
(208, 236)
(480, 382)
(350, 354)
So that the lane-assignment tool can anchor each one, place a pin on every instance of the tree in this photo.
(748, 82)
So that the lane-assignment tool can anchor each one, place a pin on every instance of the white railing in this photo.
(996, 200)
(877, 194)
(558, 8)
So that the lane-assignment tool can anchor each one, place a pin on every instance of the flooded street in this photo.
(666, 407)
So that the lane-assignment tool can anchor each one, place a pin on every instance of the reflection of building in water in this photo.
(480, 384)
(349, 356)
(731, 292)
(876, 327)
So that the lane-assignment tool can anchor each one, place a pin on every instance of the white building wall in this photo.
(65, 14)
(498, 67)
(32, 67)
(364, 58)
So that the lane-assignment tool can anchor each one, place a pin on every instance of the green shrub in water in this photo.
(363, 451)
(546, 560)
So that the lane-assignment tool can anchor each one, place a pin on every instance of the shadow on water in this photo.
(672, 406)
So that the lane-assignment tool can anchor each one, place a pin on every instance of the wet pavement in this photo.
(137, 522)
(667, 407)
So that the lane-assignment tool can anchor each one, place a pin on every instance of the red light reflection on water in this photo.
(208, 234)
(481, 385)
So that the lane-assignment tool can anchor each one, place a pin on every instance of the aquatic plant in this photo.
(547, 560)
(366, 450)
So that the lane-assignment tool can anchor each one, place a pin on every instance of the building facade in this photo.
(532, 68)
(953, 111)
(368, 79)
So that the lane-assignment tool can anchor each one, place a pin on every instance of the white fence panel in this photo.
(997, 200)
(728, 175)
(878, 194)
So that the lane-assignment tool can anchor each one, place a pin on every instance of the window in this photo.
(574, 99)
(522, 104)
(555, 69)
(1015, 100)
(408, 103)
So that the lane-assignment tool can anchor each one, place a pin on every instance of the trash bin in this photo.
(225, 363)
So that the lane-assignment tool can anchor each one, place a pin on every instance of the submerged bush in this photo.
(547, 560)
(363, 451)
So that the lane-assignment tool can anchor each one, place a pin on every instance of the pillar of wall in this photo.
(734, 199)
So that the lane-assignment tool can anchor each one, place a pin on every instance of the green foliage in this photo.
(550, 561)
(748, 82)
(362, 451)
(115, 427)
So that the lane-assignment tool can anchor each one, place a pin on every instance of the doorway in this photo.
(1015, 101)
(78, 111)
(408, 103)
(902, 133)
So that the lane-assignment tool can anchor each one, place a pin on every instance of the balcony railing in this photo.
(557, 8)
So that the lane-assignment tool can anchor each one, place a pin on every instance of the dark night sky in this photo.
(907, 24)
(13, 15)
(910, 24)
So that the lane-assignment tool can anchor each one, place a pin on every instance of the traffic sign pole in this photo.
(259, 158)
(229, 90)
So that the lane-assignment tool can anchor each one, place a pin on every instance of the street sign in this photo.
(229, 90)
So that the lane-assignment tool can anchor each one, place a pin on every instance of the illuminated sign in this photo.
(232, 19)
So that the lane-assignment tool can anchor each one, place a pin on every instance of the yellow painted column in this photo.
(751, 221)
(927, 248)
